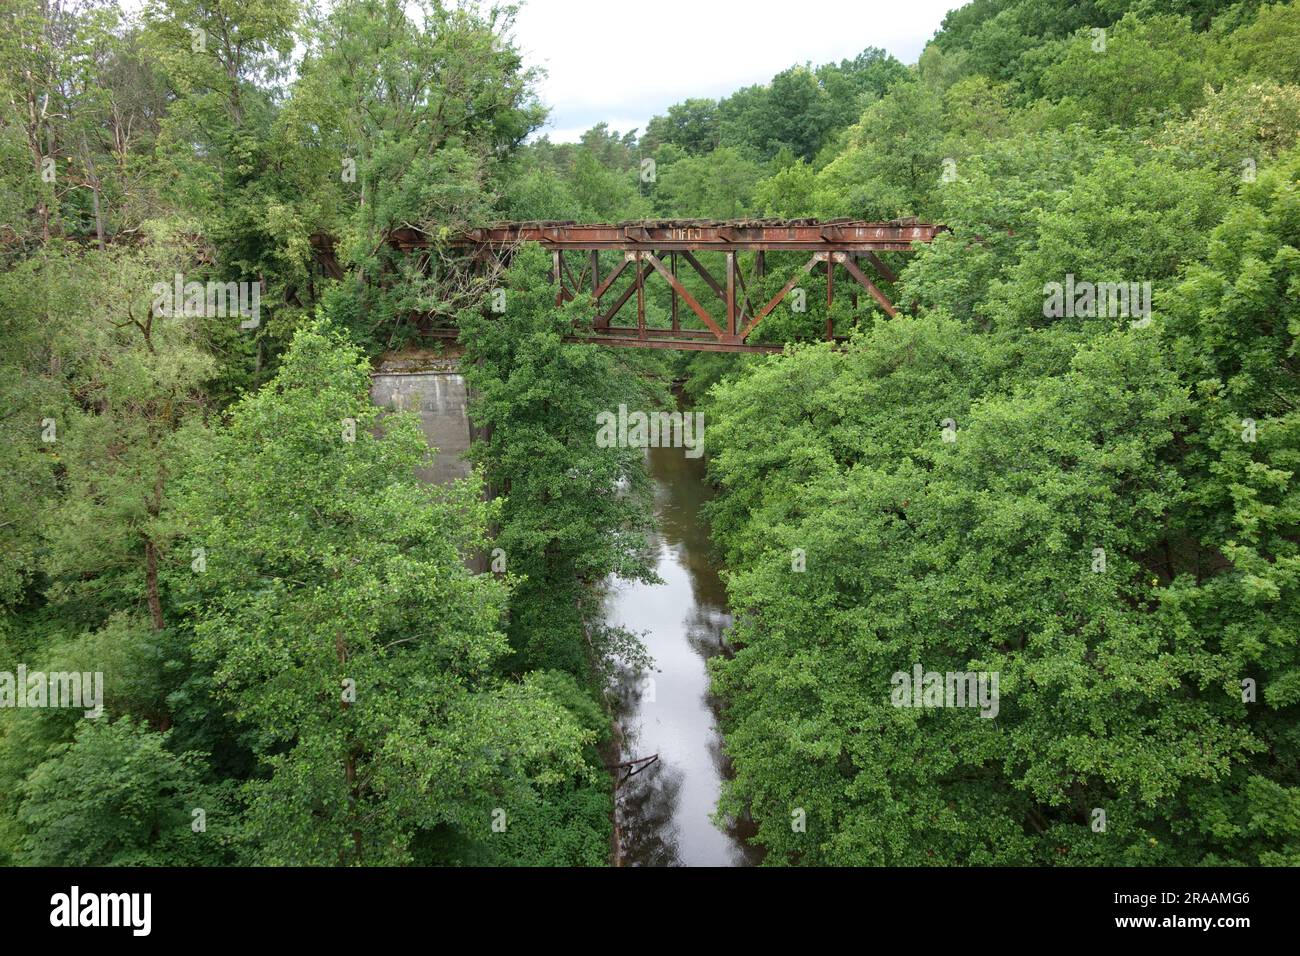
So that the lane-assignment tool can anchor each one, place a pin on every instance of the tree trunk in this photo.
(151, 583)
(94, 191)
(151, 557)
(349, 763)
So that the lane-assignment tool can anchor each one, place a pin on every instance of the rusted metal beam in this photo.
(646, 242)
(651, 332)
(711, 282)
(684, 235)
(785, 290)
(852, 269)
(622, 300)
(686, 340)
(687, 345)
(672, 264)
(576, 285)
(609, 279)
(830, 297)
(746, 310)
(880, 266)
(640, 298)
(731, 294)
(681, 290)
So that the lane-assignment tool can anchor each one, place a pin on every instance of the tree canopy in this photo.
(312, 657)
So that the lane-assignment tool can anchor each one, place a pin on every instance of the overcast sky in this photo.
(623, 61)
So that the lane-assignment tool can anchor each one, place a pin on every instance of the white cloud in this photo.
(622, 61)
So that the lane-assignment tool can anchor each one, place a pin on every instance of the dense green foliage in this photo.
(573, 512)
(301, 666)
(1167, 447)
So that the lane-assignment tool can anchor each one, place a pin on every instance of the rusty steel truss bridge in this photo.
(851, 245)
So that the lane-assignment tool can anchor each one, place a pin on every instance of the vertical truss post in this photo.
(595, 273)
(731, 294)
(760, 263)
(830, 296)
(640, 299)
(557, 275)
(672, 264)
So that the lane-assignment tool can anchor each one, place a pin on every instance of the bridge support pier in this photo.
(434, 389)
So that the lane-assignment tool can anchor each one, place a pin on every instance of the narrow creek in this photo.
(664, 812)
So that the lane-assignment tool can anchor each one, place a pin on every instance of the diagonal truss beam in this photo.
(680, 289)
(609, 279)
(633, 286)
(704, 274)
(745, 308)
(879, 265)
(852, 269)
(785, 290)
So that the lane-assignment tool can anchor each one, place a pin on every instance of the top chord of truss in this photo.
(681, 235)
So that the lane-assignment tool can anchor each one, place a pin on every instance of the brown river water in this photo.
(664, 812)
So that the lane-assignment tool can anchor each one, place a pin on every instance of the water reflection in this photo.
(664, 812)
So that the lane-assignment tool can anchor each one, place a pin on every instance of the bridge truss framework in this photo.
(851, 245)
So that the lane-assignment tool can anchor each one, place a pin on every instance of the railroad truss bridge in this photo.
(851, 245)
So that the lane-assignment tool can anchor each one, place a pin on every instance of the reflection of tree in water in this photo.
(740, 830)
(704, 629)
(658, 814)
(680, 492)
(647, 804)
(627, 685)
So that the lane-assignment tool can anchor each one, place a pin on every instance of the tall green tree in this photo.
(573, 512)
(398, 119)
(347, 631)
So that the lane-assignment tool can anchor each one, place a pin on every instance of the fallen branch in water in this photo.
(631, 766)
